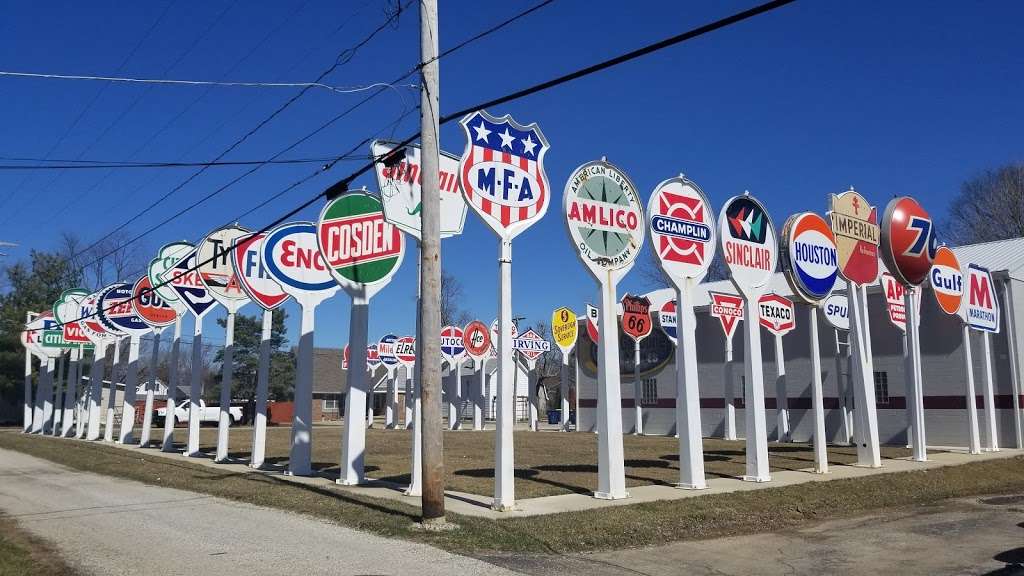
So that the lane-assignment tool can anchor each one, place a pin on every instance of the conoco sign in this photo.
(908, 240)
(855, 225)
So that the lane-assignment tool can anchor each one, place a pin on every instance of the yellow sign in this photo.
(563, 328)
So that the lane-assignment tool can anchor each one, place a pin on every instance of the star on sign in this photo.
(482, 133)
(528, 145)
(506, 139)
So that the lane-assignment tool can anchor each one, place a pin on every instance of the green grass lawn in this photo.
(627, 526)
(22, 554)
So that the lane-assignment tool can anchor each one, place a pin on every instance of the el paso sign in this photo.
(604, 217)
(854, 223)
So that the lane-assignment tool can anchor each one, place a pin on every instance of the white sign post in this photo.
(748, 244)
(386, 353)
(168, 256)
(98, 335)
(27, 341)
(362, 251)
(476, 339)
(982, 313)
(117, 312)
(405, 352)
(105, 301)
(777, 315)
(564, 329)
(157, 313)
(66, 311)
(502, 177)
(292, 259)
(895, 293)
(728, 308)
(682, 225)
(453, 352)
(836, 308)
(605, 220)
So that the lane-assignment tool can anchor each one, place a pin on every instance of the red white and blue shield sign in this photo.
(502, 172)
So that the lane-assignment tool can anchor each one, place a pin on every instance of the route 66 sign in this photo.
(636, 317)
(604, 217)
(682, 228)
(908, 240)
(502, 172)
(400, 183)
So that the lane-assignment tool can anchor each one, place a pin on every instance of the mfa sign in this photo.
(982, 310)
(604, 218)
(854, 223)
(252, 274)
(682, 228)
(477, 340)
(636, 317)
(188, 285)
(748, 243)
(564, 328)
(216, 271)
(728, 308)
(908, 240)
(362, 249)
(400, 183)
(837, 311)
(668, 322)
(293, 260)
(502, 172)
(947, 281)
(809, 256)
(776, 314)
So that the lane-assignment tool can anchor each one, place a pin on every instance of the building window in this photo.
(649, 388)
(882, 388)
(330, 404)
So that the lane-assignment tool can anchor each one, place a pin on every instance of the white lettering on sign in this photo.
(363, 238)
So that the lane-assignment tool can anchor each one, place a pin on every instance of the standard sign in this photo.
(908, 240)
(775, 313)
(854, 223)
(728, 308)
(636, 317)
(837, 311)
(476, 338)
(400, 182)
(252, 274)
(361, 247)
(748, 243)
(809, 256)
(605, 218)
(947, 281)
(982, 310)
(564, 329)
(667, 320)
(502, 172)
(682, 228)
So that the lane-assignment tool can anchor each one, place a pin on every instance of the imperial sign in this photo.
(748, 243)
(400, 183)
(636, 317)
(809, 256)
(947, 281)
(854, 223)
(776, 314)
(604, 217)
(682, 228)
(908, 240)
(565, 329)
(502, 172)
(982, 307)
(728, 308)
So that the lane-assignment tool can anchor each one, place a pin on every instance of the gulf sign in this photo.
(405, 351)
(947, 281)
(982, 307)
(360, 246)
(476, 339)
(293, 260)
(682, 228)
(855, 225)
(386, 350)
(451, 344)
(748, 242)
(776, 314)
(667, 320)
(728, 308)
(837, 311)
(253, 275)
(809, 257)
(908, 240)
(150, 306)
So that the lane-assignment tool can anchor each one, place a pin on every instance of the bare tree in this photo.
(112, 259)
(452, 312)
(989, 207)
(654, 276)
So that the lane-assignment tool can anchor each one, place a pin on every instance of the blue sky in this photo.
(892, 98)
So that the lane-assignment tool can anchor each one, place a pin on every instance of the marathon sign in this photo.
(982, 310)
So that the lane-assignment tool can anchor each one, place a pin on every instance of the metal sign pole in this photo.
(71, 393)
(171, 404)
(46, 394)
(392, 400)
(27, 404)
(730, 394)
(611, 470)
(302, 426)
(259, 430)
(504, 480)
(820, 443)
(458, 397)
(195, 389)
(227, 373)
(691, 449)
(971, 398)
(841, 391)
(115, 368)
(353, 442)
(638, 411)
(1011, 345)
(991, 431)
(866, 428)
(130, 386)
(781, 397)
(757, 433)
(908, 372)
(82, 399)
(478, 396)
(147, 416)
(58, 396)
(96, 370)
(917, 396)
(563, 391)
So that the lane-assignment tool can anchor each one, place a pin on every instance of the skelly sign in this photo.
(837, 311)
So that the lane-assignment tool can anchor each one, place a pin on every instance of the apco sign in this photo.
(565, 329)
(386, 350)
(604, 217)
(188, 285)
(668, 322)
(809, 256)
(253, 275)
(476, 338)
(895, 292)
(593, 315)
(748, 243)
(982, 310)
(452, 348)
(150, 306)
(405, 351)
(776, 314)
(216, 270)
(168, 256)
(682, 228)
(728, 308)
(837, 311)
(908, 240)
(531, 346)
(854, 223)
(116, 310)
(361, 248)
(502, 172)
(293, 260)
(636, 317)
(400, 183)
(947, 281)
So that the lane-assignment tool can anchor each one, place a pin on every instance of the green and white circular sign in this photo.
(605, 218)
(362, 249)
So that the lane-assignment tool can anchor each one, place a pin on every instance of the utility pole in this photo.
(429, 344)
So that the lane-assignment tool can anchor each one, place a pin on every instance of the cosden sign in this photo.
(947, 281)
(252, 274)
(728, 308)
(604, 217)
(636, 317)
(360, 246)
(776, 314)
(400, 183)
(908, 240)
(809, 256)
(982, 307)
(854, 223)
(682, 228)
(502, 172)
(748, 243)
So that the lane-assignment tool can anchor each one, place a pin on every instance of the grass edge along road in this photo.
(635, 525)
(22, 554)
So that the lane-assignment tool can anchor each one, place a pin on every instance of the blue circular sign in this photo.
(115, 306)
(292, 257)
(386, 350)
(810, 258)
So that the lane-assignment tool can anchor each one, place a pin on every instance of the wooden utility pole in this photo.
(428, 341)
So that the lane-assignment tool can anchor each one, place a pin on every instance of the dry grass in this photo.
(22, 554)
(547, 462)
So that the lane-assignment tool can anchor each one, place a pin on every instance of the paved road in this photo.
(110, 526)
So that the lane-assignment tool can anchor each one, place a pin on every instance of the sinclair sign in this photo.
(748, 243)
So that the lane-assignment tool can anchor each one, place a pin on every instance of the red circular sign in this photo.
(405, 351)
(477, 339)
(908, 240)
(150, 306)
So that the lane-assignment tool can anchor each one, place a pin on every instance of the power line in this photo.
(88, 164)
